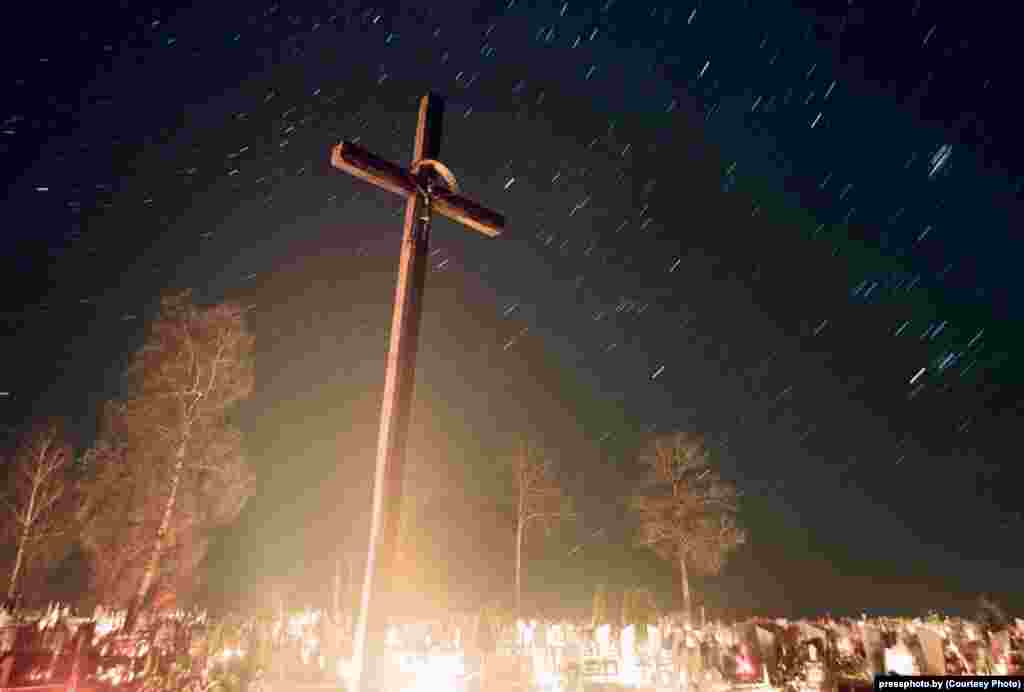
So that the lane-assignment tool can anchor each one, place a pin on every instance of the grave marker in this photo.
(934, 652)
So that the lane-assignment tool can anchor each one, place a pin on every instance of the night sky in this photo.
(787, 227)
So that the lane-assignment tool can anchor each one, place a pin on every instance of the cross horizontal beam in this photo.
(357, 161)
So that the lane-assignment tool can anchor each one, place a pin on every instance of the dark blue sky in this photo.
(787, 227)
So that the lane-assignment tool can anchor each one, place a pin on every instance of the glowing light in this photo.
(434, 674)
(549, 681)
(228, 654)
(899, 661)
(344, 670)
(744, 666)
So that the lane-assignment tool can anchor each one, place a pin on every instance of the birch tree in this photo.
(195, 365)
(539, 500)
(111, 514)
(38, 485)
(688, 514)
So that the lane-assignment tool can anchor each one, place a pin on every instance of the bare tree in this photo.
(112, 520)
(37, 487)
(688, 515)
(214, 488)
(539, 499)
(194, 366)
(336, 590)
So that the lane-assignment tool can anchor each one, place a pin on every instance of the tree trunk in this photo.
(350, 585)
(337, 590)
(519, 570)
(26, 529)
(158, 545)
(521, 520)
(22, 540)
(684, 577)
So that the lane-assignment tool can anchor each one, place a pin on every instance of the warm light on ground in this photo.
(436, 673)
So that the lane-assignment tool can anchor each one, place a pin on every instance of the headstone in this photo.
(628, 637)
(6, 669)
(844, 639)
(556, 635)
(982, 658)
(604, 643)
(525, 631)
(653, 640)
(766, 647)
(25, 638)
(873, 650)
(817, 674)
(714, 653)
(747, 639)
(573, 650)
(1000, 644)
(810, 632)
(917, 653)
(83, 664)
(540, 635)
(934, 652)
(630, 662)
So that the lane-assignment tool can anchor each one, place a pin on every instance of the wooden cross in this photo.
(428, 187)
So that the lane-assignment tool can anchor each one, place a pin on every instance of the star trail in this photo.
(787, 226)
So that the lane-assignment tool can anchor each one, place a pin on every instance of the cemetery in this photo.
(664, 352)
(179, 650)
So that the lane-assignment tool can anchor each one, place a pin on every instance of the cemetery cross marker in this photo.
(428, 186)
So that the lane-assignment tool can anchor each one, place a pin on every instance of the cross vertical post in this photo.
(420, 184)
(399, 377)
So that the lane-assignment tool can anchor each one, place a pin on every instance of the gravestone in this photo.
(766, 648)
(1000, 646)
(653, 640)
(747, 637)
(844, 639)
(604, 641)
(810, 632)
(934, 652)
(26, 638)
(873, 650)
(629, 662)
(6, 669)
